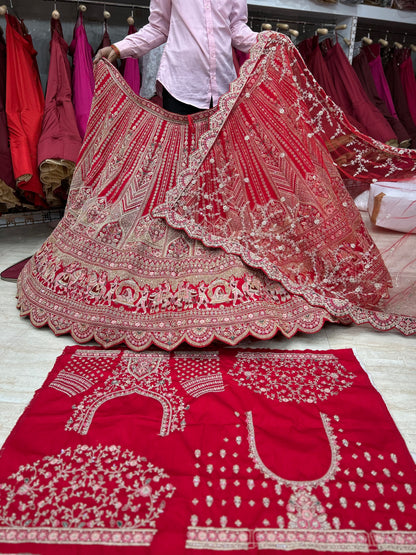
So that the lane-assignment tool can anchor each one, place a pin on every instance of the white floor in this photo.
(27, 354)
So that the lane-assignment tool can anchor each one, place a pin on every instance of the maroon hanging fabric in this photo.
(408, 80)
(312, 54)
(60, 142)
(24, 109)
(392, 73)
(370, 118)
(363, 71)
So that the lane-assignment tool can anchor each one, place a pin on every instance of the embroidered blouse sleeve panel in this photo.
(242, 36)
(151, 35)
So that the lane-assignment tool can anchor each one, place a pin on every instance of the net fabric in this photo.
(290, 253)
(277, 199)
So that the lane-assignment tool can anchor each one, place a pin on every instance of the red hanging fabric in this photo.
(60, 142)
(24, 109)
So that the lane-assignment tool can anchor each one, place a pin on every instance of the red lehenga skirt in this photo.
(229, 223)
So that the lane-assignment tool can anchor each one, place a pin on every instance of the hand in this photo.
(106, 52)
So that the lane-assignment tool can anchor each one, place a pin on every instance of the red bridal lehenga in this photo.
(229, 223)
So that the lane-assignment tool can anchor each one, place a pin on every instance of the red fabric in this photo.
(24, 109)
(219, 450)
(60, 137)
(254, 178)
(6, 168)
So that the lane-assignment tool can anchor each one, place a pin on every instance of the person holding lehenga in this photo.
(220, 223)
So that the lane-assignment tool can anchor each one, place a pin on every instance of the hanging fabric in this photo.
(150, 88)
(386, 74)
(271, 239)
(60, 142)
(408, 81)
(130, 68)
(363, 71)
(82, 74)
(314, 59)
(24, 109)
(372, 122)
(7, 182)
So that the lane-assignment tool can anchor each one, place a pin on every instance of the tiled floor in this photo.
(27, 354)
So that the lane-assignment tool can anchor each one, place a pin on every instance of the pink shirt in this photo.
(197, 62)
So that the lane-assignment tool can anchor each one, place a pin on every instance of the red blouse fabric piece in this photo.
(201, 452)
(130, 68)
(24, 109)
(60, 142)
(82, 75)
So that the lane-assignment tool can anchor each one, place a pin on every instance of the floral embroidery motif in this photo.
(300, 377)
(146, 374)
(87, 495)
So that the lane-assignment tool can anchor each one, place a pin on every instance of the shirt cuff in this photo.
(116, 50)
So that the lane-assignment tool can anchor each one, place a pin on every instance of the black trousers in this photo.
(176, 106)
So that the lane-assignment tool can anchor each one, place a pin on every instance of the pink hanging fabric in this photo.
(24, 109)
(372, 51)
(60, 142)
(82, 75)
(130, 68)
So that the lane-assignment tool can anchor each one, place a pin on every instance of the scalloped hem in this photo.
(199, 337)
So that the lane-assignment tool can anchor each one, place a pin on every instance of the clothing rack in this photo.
(104, 4)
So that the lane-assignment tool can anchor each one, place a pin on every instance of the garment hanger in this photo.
(322, 31)
(130, 19)
(384, 42)
(266, 27)
(282, 26)
(55, 14)
(367, 39)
